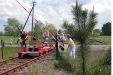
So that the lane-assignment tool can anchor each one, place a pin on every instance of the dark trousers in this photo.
(24, 43)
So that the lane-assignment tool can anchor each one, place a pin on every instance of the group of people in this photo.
(62, 39)
(23, 39)
(67, 39)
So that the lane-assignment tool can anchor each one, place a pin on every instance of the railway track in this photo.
(12, 65)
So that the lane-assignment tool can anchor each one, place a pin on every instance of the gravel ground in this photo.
(41, 67)
(46, 67)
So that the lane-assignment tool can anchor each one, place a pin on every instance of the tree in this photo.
(38, 30)
(84, 24)
(1, 33)
(59, 31)
(12, 27)
(106, 29)
(50, 27)
(96, 32)
(68, 28)
(8, 30)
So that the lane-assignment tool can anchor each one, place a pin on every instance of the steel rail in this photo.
(21, 66)
(5, 61)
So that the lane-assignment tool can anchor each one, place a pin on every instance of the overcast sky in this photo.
(52, 11)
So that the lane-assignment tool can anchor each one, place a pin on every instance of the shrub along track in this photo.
(14, 65)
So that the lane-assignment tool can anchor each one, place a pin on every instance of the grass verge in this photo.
(8, 52)
(100, 40)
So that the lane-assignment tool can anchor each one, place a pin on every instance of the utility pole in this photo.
(33, 16)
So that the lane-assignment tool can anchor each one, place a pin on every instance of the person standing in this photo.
(71, 46)
(46, 37)
(62, 38)
(46, 34)
(24, 38)
(34, 38)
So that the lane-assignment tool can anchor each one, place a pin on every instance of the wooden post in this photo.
(2, 47)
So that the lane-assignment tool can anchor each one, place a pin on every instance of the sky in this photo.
(52, 11)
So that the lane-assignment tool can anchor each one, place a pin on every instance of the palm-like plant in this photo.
(84, 24)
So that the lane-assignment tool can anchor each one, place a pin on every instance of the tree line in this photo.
(13, 28)
(104, 31)
(13, 25)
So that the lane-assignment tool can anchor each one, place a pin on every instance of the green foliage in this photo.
(65, 63)
(38, 31)
(105, 39)
(81, 29)
(1, 33)
(96, 32)
(12, 26)
(9, 39)
(100, 70)
(106, 29)
(84, 24)
(103, 67)
(100, 40)
(50, 27)
(106, 60)
(69, 28)
(59, 31)
(9, 52)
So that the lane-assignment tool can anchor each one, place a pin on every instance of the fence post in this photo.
(2, 48)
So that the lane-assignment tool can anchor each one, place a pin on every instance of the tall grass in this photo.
(8, 52)
(99, 63)
(103, 67)
(63, 62)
